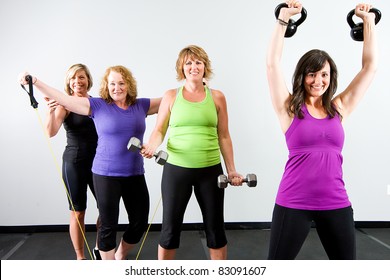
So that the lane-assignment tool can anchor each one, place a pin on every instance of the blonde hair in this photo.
(194, 52)
(129, 80)
(71, 73)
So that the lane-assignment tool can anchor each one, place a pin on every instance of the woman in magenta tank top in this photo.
(311, 117)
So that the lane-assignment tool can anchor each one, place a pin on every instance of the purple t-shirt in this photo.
(115, 127)
(313, 176)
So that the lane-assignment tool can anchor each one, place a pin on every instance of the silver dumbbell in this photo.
(134, 145)
(250, 179)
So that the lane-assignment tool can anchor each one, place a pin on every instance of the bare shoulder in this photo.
(170, 93)
(219, 100)
(338, 104)
(168, 99)
(217, 95)
(216, 92)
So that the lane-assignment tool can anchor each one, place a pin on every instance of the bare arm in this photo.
(347, 100)
(158, 134)
(154, 105)
(225, 141)
(79, 105)
(55, 117)
(277, 86)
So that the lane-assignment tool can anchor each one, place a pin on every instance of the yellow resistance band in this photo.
(66, 189)
(147, 231)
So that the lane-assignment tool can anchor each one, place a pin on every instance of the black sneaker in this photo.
(96, 254)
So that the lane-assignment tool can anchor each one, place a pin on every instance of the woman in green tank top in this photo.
(198, 123)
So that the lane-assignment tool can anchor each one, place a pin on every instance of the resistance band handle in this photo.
(33, 101)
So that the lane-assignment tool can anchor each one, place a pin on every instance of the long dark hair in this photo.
(310, 62)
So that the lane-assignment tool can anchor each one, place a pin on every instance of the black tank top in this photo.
(81, 138)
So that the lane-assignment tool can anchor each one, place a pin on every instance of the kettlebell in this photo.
(292, 24)
(357, 29)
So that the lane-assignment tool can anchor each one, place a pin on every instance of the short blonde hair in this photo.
(71, 73)
(196, 52)
(129, 80)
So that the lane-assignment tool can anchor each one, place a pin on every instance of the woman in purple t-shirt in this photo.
(117, 173)
(311, 117)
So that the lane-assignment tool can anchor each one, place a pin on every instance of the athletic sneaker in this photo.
(96, 254)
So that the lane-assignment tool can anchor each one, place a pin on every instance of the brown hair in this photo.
(310, 62)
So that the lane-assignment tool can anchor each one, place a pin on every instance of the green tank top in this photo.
(193, 137)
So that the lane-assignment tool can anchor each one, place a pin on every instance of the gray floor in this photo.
(251, 244)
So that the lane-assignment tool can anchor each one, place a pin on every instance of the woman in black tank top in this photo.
(79, 152)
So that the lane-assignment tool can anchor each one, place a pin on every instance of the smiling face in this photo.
(316, 83)
(78, 80)
(79, 83)
(193, 56)
(117, 87)
(193, 68)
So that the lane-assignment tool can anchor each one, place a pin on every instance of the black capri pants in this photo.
(77, 176)
(134, 193)
(290, 227)
(177, 185)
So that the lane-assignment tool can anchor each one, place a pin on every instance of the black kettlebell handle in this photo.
(292, 24)
(352, 24)
(357, 28)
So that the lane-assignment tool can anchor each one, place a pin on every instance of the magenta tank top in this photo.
(313, 176)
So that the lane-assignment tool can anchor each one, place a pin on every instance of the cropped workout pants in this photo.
(135, 196)
(290, 228)
(177, 185)
(77, 177)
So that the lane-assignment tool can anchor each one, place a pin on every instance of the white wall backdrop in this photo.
(45, 37)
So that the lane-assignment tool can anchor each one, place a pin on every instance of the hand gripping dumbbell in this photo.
(250, 179)
(134, 145)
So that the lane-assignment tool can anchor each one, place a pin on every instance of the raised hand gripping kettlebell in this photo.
(357, 29)
(292, 24)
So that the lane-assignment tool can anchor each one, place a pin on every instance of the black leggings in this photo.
(177, 183)
(77, 177)
(290, 228)
(135, 195)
